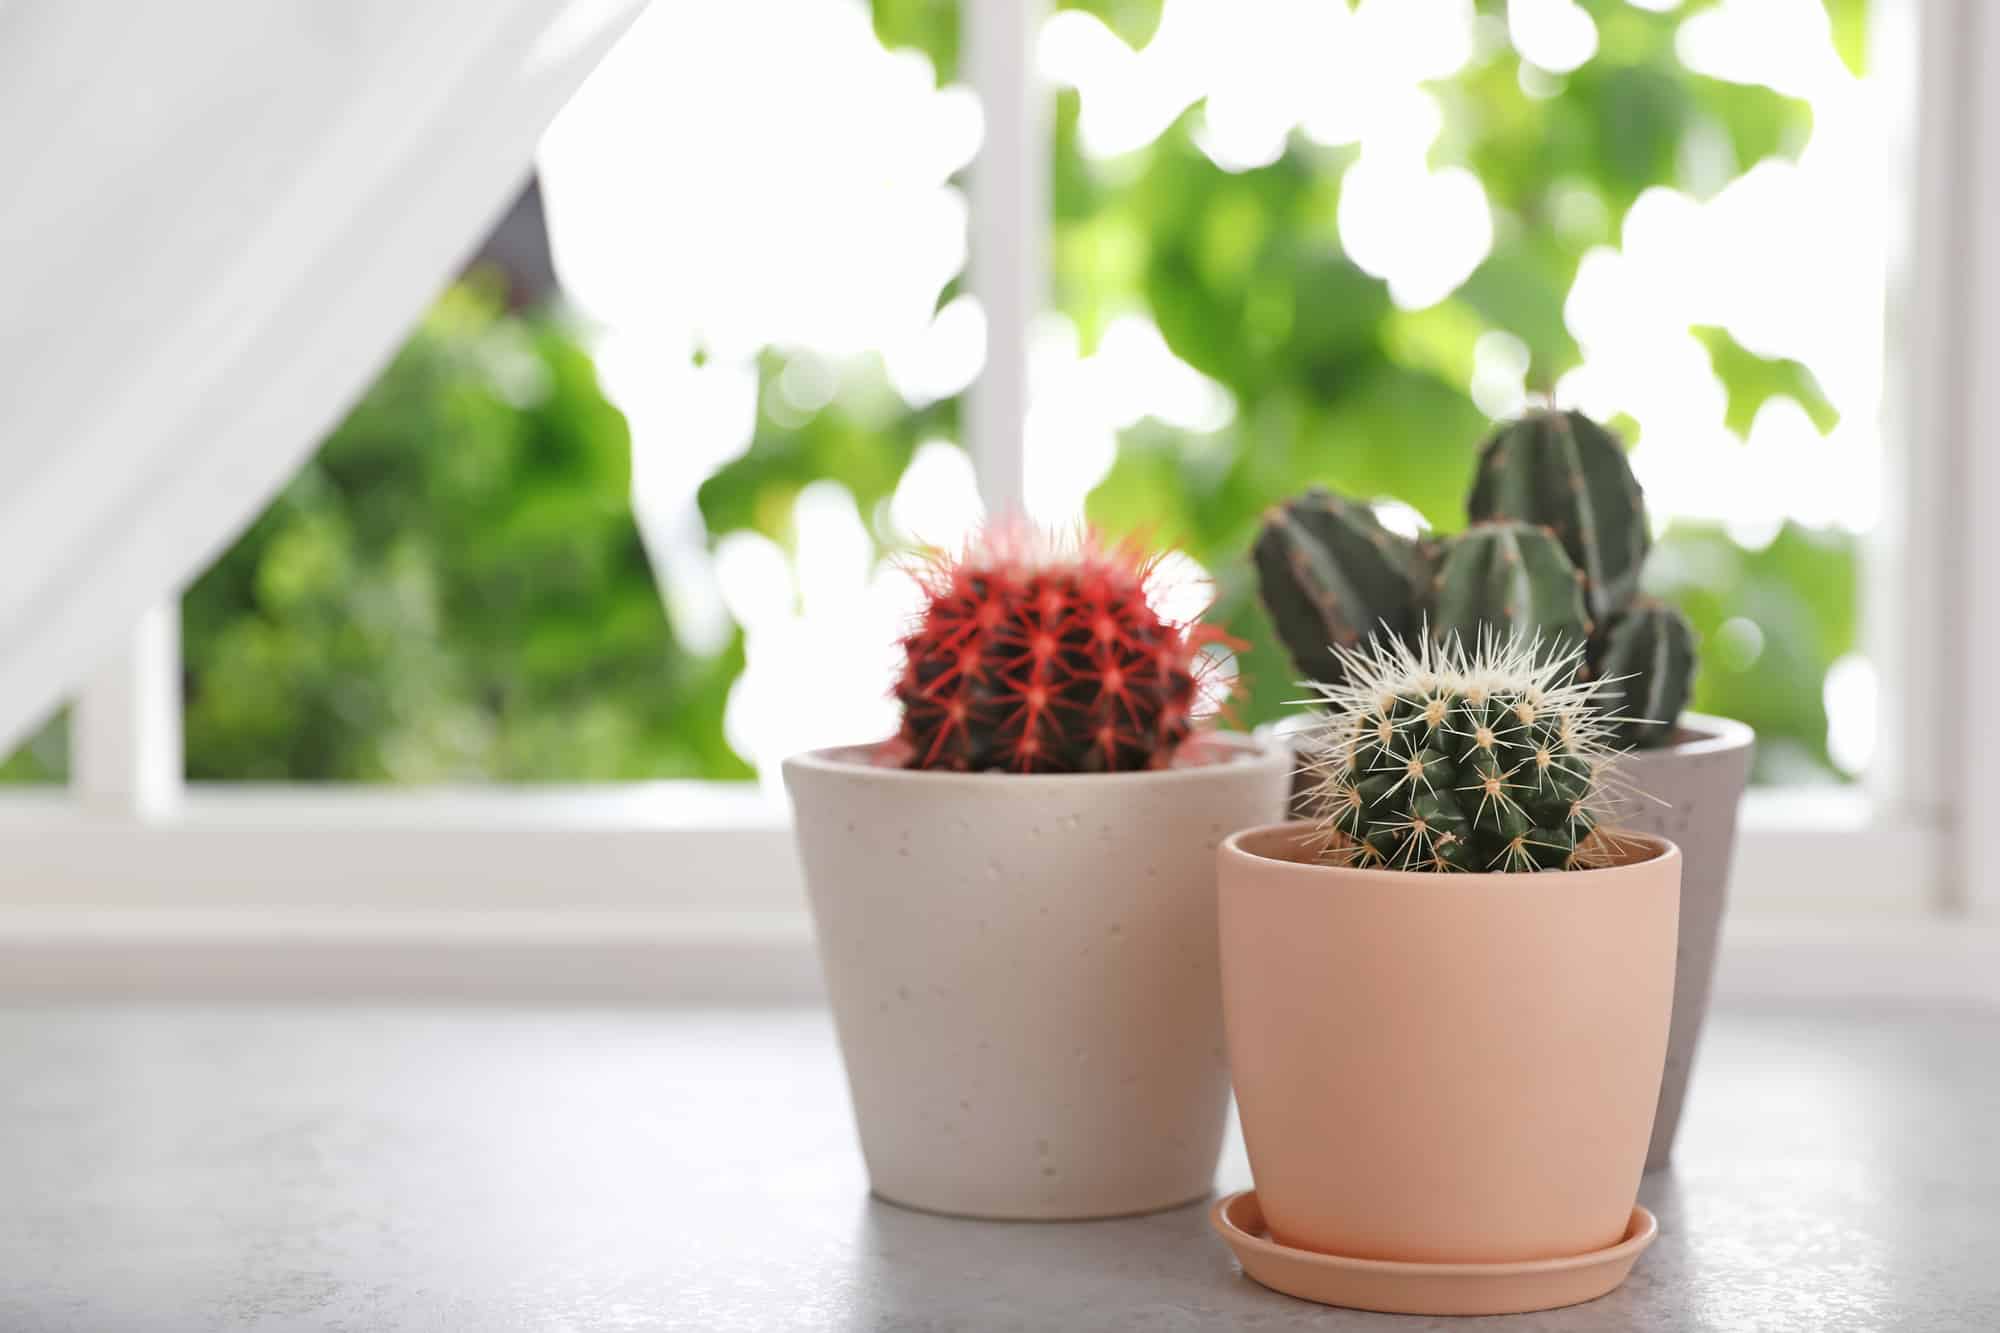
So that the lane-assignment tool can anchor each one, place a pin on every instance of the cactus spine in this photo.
(1437, 759)
(1648, 655)
(1038, 659)
(1514, 580)
(1563, 471)
(1331, 576)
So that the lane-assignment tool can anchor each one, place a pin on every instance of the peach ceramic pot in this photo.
(1445, 1068)
(1023, 973)
(1693, 787)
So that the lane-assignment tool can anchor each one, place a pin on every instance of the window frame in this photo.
(711, 865)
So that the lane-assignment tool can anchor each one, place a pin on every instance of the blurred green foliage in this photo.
(1771, 619)
(1245, 275)
(863, 438)
(43, 757)
(454, 587)
(1753, 379)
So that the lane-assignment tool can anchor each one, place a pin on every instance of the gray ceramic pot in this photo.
(1696, 785)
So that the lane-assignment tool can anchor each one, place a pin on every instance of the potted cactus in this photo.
(1558, 539)
(1447, 995)
(1014, 897)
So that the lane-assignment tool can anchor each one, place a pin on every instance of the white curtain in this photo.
(216, 222)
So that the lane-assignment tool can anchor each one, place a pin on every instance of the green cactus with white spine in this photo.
(1331, 576)
(1563, 471)
(1436, 759)
(1512, 579)
(1648, 656)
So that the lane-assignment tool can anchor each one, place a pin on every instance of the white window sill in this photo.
(690, 891)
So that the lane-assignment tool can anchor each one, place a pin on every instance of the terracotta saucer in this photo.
(1434, 1289)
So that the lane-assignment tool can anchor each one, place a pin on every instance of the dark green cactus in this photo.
(1647, 659)
(1556, 547)
(1441, 760)
(1332, 576)
(1512, 581)
(1563, 471)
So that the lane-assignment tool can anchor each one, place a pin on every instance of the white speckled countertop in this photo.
(176, 1169)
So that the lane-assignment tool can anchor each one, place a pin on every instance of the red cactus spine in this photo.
(1034, 661)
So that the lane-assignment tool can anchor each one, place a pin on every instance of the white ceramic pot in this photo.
(1024, 976)
(1695, 786)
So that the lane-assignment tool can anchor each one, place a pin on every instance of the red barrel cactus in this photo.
(1034, 654)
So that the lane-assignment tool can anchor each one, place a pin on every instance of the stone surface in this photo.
(175, 1170)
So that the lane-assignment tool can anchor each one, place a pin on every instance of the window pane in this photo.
(767, 236)
(639, 534)
(645, 534)
(453, 588)
(1300, 244)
